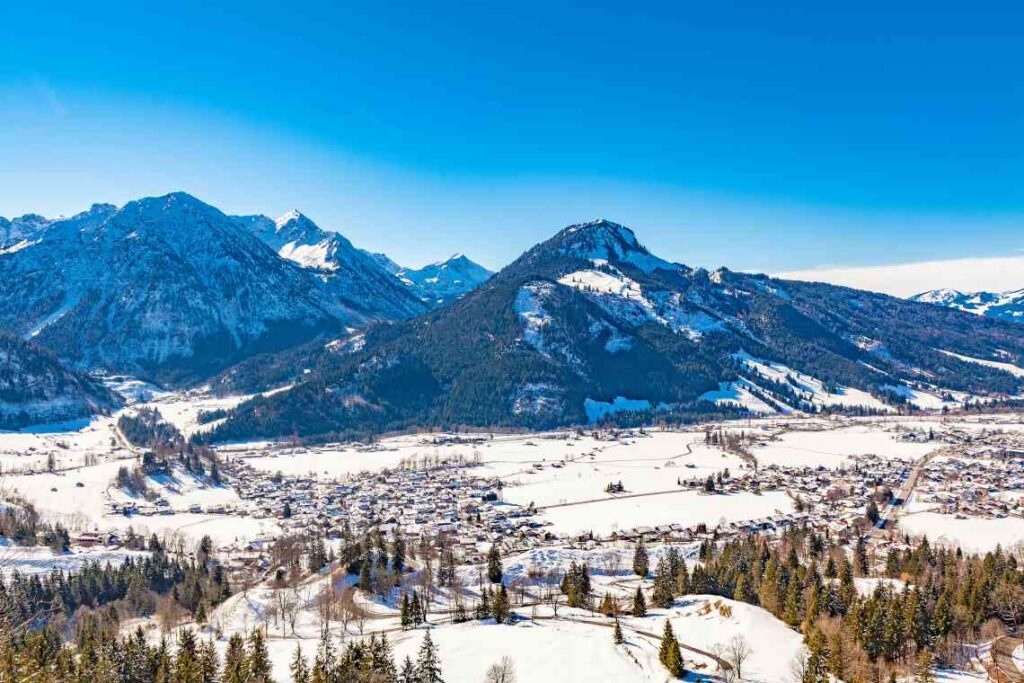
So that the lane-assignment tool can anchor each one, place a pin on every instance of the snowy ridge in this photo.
(359, 279)
(444, 281)
(164, 282)
(998, 305)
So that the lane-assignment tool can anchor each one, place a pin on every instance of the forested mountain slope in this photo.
(590, 323)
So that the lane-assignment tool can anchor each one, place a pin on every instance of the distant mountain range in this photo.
(998, 305)
(362, 275)
(590, 325)
(172, 289)
(442, 282)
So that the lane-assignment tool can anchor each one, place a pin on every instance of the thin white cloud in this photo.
(998, 274)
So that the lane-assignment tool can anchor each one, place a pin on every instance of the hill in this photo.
(36, 388)
(590, 325)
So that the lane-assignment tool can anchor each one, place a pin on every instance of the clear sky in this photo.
(742, 134)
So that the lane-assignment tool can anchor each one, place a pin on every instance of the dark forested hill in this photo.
(590, 324)
(35, 387)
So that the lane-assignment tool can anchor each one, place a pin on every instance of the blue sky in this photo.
(758, 137)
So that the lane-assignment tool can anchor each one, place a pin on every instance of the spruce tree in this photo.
(236, 667)
(406, 619)
(494, 568)
(408, 672)
(923, 672)
(298, 667)
(669, 654)
(641, 563)
(639, 604)
(662, 594)
(259, 667)
(500, 608)
(209, 665)
(428, 667)
(398, 560)
(617, 635)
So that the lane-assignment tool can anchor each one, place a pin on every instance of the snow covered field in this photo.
(833, 447)
(973, 534)
(42, 560)
(686, 508)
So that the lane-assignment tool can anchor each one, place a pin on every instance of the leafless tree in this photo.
(798, 668)
(738, 651)
(552, 596)
(502, 671)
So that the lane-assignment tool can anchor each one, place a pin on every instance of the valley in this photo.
(546, 500)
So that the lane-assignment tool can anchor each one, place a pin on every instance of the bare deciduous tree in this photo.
(502, 671)
(737, 652)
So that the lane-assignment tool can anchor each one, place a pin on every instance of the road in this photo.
(892, 512)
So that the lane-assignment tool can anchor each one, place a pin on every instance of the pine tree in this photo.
(408, 672)
(298, 667)
(259, 667)
(923, 672)
(236, 668)
(669, 654)
(494, 568)
(617, 635)
(500, 608)
(381, 662)
(639, 604)
(398, 560)
(662, 593)
(428, 668)
(406, 619)
(641, 563)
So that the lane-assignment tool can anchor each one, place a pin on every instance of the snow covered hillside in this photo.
(998, 305)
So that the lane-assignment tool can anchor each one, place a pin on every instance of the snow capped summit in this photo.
(446, 280)
(998, 305)
(353, 275)
(284, 219)
(21, 229)
(603, 241)
(167, 287)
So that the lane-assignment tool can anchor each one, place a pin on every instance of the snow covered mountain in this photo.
(164, 287)
(445, 281)
(997, 305)
(36, 388)
(352, 275)
(17, 232)
(384, 261)
(590, 324)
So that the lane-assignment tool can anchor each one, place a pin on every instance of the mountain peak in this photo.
(291, 216)
(605, 240)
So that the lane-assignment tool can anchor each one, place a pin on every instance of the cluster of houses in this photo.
(833, 501)
(982, 482)
(423, 502)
